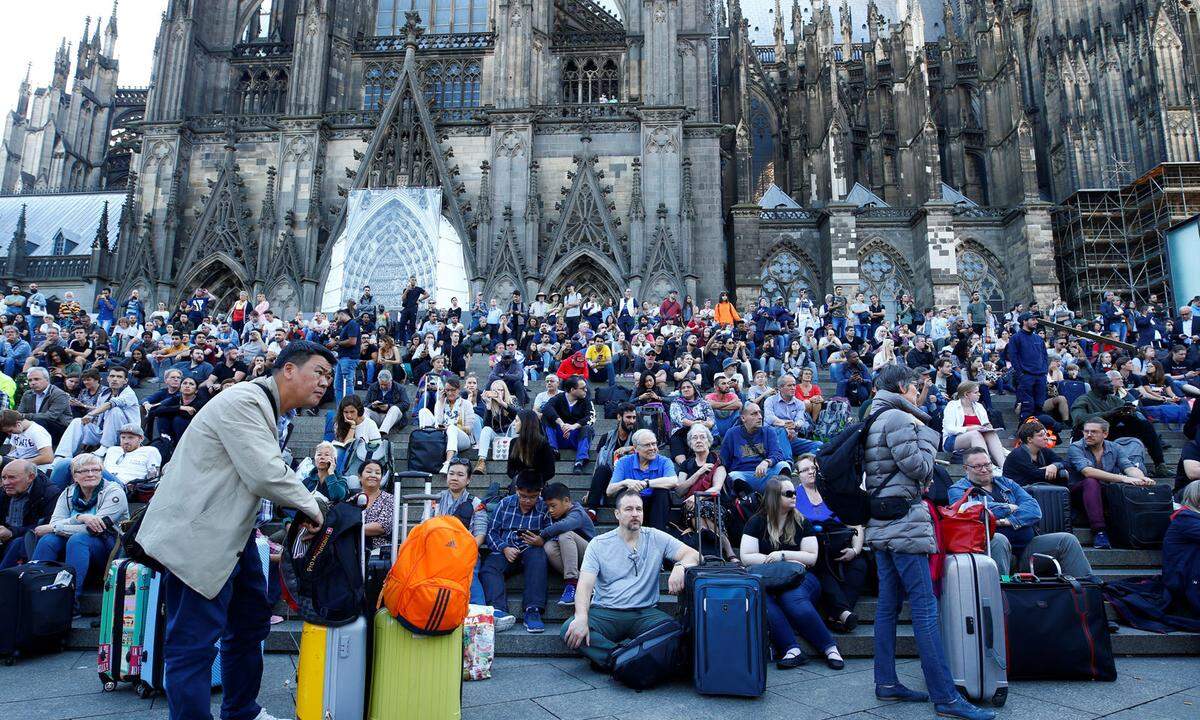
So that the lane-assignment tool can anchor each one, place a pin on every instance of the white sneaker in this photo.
(264, 715)
(504, 621)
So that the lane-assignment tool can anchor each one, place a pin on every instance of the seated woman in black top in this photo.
(1032, 461)
(779, 533)
(176, 412)
(530, 450)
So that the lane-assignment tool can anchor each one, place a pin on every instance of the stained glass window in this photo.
(438, 16)
(975, 273)
(881, 273)
(762, 142)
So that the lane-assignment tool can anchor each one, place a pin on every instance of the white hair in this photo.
(643, 436)
(39, 371)
(79, 462)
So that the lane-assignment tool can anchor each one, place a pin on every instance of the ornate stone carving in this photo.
(510, 145)
(661, 139)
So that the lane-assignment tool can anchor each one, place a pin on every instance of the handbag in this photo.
(832, 540)
(500, 448)
(965, 528)
(779, 576)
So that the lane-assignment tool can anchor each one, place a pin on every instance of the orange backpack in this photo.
(429, 585)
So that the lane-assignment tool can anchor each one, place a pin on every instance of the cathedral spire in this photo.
(101, 241)
(23, 93)
(62, 65)
(949, 24)
(780, 41)
(109, 48)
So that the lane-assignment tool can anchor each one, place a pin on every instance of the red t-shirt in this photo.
(813, 392)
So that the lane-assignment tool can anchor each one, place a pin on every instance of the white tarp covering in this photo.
(389, 235)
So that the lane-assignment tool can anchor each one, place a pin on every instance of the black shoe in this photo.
(578, 468)
(787, 663)
(835, 663)
(847, 625)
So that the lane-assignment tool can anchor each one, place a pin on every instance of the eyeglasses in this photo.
(789, 493)
(981, 466)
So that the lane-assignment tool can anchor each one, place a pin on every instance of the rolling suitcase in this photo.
(1055, 502)
(36, 601)
(1137, 516)
(972, 619)
(725, 611)
(332, 671)
(124, 617)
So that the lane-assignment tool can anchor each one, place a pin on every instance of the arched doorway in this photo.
(219, 277)
(588, 277)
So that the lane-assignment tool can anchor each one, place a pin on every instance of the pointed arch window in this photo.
(589, 81)
(379, 80)
(882, 272)
(262, 90)
(762, 141)
(785, 275)
(262, 27)
(976, 273)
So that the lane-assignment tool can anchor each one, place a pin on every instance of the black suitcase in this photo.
(1057, 630)
(427, 450)
(1137, 516)
(35, 611)
(649, 659)
(1055, 501)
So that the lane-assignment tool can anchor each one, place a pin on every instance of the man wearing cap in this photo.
(1027, 354)
(131, 461)
(652, 366)
(511, 372)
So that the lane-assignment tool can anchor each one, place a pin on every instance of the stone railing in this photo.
(986, 214)
(212, 123)
(353, 118)
(883, 214)
(59, 267)
(766, 54)
(589, 111)
(569, 39)
(435, 41)
(788, 215)
(131, 96)
(258, 51)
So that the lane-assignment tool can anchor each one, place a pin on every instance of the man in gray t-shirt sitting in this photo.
(617, 594)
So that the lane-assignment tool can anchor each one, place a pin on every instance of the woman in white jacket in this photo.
(78, 532)
(965, 425)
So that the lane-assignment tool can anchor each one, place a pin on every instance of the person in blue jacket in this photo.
(752, 454)
(1017, 514)
(1027, 353)
(1181, 554)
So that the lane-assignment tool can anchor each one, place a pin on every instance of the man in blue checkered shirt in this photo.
(518, 518)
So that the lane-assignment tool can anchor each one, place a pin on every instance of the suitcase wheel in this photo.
(143, 689)
(110, 686)
(1000, 697)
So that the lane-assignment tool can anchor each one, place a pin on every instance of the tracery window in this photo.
(762, 142)
(438, 16)
(975, 273)
(785, 276)
(452, 87)
(882, 273)
(262, 91)
(589, 81)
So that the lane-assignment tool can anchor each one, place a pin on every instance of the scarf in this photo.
(79, 506)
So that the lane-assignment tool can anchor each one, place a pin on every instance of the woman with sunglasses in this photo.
(779, 533)
(840, 567)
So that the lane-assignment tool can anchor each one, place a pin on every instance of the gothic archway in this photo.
(220, 276)
(588, 273)
(883, 271)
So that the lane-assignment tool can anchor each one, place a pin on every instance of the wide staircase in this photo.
(1108, 564)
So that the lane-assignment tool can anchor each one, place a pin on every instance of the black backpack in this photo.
(649, 659)
(840, 474)
(323, 579)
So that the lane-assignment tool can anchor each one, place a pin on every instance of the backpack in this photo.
(610, 398)
(426, 450)
(1134, 450)
(650, 659)
(834, 418)
(429, 586)
(323, 577)
(840, 472)
(653, 417)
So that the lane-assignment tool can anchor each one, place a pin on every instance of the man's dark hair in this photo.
(120, 369)
(1028, 430)
(626, 407)
(971, 452)
(529, 481)
(298, 353)
(943, 361)
(573, 382)
(624, 494)
(893, 377)
(556, 491)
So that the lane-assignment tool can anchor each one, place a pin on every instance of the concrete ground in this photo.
(65, 686)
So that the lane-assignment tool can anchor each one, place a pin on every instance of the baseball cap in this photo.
(1025, 316)
(728, 362)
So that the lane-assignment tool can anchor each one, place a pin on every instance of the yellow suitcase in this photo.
(417, 677)
(331, 676)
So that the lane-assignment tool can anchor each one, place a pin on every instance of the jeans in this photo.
(1119, 328)
(839, 326)
(532, 562)
(240, 617)
(900, 575)
(756, 483)
(343, 378)
(607, 372)
(580, 439)
(1031, 394)
(1086, 491)
(793, 611)
(798, 445)
(82, 551)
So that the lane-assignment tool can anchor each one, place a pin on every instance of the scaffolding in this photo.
(1115, 238)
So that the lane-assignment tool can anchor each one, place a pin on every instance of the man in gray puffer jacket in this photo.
(900, 449)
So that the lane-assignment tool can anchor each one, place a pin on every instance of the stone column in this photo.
(842, 229)
(747, 256)
(941, 254)
(1039, 240)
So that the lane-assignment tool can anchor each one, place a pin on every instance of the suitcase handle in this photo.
(989, 634)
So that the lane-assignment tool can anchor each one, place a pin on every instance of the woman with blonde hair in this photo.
(965, 425)
(499, 420)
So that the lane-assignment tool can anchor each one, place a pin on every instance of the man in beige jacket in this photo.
(200, 526)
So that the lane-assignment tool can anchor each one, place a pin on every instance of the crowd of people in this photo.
(725, 406)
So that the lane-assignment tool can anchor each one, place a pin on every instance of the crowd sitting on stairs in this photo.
(709, 402)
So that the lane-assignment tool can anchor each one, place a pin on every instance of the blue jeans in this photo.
(793, 611)
(1120, 329)
(799, 445)
(1031, 394)
(756, 483)
(607, 372)
(343, 378)
(839, 326)
(82, 551)
(900, 575)
(496, 568)
(240, 617)
(579, 439)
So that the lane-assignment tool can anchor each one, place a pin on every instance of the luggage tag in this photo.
(63, 579)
